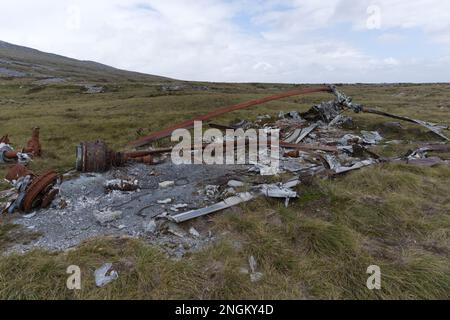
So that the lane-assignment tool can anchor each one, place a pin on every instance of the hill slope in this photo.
(26, 63)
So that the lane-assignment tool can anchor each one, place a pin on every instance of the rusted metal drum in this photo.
(94, 156)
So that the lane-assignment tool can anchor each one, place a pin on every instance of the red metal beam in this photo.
(188, 123)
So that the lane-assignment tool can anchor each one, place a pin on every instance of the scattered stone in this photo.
(122, 185)
(169, 88)
(103, 277)
(29, 216)
(150, 226)
(92, 89)
(166, 184)
(371, 137)
(162, 215)
(176, 207)
(194, 232)
(174, 229)
(165, 201)
(104, 217)
(235, 184)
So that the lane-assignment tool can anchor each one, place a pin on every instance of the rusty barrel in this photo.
(95, 156)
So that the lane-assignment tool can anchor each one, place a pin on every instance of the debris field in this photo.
(141, 193)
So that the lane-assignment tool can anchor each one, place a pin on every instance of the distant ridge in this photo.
(23, 62)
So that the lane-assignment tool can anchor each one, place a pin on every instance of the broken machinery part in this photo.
(34, 191)
(34, 145)
(95, 156)
(33, 149)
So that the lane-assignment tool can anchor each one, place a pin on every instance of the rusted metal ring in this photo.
(36, 188)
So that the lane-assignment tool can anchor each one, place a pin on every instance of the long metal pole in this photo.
(188, 123)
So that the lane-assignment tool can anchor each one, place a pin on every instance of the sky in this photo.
(289, 41)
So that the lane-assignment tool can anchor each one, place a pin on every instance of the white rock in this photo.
(29, 216)
(107, 216)
(176, 207)
(235, 184)
(165, 201)
(194, 232)
(150, 226)
(166, 184)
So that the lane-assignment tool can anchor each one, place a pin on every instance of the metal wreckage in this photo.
(313, 143)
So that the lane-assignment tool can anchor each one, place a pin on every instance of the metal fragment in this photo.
(433, 127)
(104, 275)
(227, 203)
(335, 165)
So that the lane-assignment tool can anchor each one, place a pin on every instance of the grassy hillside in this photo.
(394, 216)
(26, 63)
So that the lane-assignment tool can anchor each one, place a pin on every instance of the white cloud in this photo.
(391, 38)
(203, 39)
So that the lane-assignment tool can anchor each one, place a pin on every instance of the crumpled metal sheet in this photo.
(102, 277)
(299, 134)
(336, 166)
(227, 203)
(21, 186)
(269, 190)
(3, 149)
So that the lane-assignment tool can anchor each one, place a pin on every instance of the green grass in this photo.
(393, 216)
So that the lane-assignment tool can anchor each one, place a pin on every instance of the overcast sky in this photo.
(244, 40)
